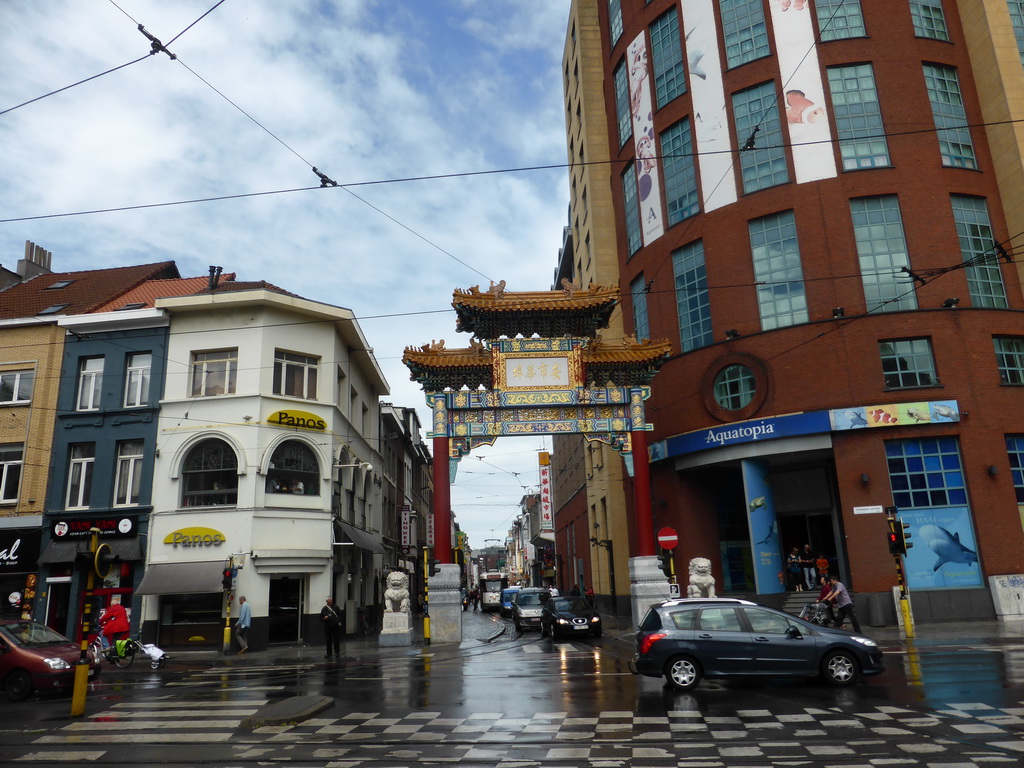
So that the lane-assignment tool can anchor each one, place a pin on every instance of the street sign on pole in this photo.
(667, 538)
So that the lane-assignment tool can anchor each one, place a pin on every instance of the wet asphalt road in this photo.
(954, 696)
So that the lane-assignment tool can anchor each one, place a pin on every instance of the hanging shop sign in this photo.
(195, 537)
(298, 420)
(547, 519)
(75, 527)
(406, 525)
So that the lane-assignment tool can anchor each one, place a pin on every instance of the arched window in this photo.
(293, 469)
(210, 475)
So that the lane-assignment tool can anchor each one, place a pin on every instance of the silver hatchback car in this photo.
(529, 607)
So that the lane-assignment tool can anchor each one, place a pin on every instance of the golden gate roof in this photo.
(572, 311)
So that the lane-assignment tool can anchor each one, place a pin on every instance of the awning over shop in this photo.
(348, 534)
(196, 578)
(129, 550)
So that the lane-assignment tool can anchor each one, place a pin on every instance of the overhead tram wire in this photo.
(80, 82)
(155, 47)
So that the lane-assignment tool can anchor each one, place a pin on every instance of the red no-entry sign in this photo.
(667, 538)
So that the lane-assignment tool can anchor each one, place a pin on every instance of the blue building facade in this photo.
(101, 473)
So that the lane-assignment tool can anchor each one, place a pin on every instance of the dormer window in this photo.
(59, 284)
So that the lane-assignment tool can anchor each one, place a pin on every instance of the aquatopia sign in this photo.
(195, 537)
(299, 419)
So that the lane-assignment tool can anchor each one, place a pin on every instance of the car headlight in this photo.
(562, 621)
(595, 619)
(865, 641)
(57, 663)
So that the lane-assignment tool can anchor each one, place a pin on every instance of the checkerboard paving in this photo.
(963, 735)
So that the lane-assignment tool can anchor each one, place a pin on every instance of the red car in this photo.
(35, 657)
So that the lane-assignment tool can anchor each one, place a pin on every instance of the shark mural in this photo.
(946, 545)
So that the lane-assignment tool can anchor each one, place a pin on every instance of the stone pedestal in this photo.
(397, 630)
(647, 585)
(445, 604)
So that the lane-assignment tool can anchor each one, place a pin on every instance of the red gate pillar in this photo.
(642, 495)
(443, 502)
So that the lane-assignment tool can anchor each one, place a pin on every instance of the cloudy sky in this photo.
(424, 108)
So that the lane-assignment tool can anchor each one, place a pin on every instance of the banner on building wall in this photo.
(547, 517)
(648, 181)
(430, 529)
(945, 553)
(406, 517)
(710, 122)
(765, 547)
(810, 131)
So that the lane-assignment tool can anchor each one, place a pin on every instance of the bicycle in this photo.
(121, 653)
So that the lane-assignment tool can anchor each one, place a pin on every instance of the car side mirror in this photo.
(793, 633)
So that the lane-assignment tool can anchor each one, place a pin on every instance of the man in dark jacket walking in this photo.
(331, 618)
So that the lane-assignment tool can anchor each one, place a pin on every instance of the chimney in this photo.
(214, 278)
(36, 262)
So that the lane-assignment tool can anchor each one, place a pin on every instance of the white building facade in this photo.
(267, 463)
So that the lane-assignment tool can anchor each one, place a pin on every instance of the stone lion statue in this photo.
(396, 596)
(702, 583)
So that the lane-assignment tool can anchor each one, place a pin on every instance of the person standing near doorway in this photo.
(807, 563)
(796, 571)
(243, 624)
(330, 616)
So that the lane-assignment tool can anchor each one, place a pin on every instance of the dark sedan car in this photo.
(689, 639)
(33, 656)
(569, 616)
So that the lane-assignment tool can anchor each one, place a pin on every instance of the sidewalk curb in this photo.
(292, 710)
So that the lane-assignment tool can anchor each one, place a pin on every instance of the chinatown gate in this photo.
(536, 365)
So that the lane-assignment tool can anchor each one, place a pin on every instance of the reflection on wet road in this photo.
(502, 698)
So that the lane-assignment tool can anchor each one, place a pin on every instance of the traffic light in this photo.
(903, 532)
(104, 560)
(458, 556)
(435, 566)
(665, 561)
(228, 576)
(893, 537)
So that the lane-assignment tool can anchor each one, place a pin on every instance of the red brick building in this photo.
(818, 203)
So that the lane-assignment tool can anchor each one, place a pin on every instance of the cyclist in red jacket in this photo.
(113, 624)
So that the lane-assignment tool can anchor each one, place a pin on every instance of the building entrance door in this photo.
(285, 609)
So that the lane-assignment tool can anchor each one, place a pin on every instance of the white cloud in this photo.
(365, 91)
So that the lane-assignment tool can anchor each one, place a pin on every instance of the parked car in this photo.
(570, 616)
(508, 602)
(688, 639)
(33, 656)
(528, 608)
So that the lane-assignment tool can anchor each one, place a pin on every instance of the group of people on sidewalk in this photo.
(805, 568)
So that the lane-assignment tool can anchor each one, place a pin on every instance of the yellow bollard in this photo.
(908, 618)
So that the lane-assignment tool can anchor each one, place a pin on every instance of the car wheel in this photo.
(840, 668)
(18, 685)
(683, 673)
